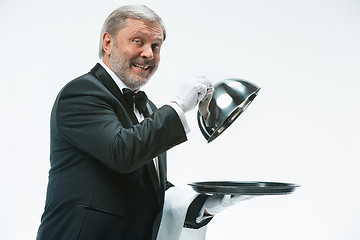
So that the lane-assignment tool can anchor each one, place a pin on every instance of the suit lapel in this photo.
(159, 184)
(153, 175)
(110, 84)
(162, 171)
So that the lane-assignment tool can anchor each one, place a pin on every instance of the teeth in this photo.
(141, 67)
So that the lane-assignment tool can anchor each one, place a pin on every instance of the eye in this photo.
(137, 41)
(156, 48)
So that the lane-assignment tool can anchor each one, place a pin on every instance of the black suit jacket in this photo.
(102, 181)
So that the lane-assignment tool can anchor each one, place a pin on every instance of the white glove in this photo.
(204, 105)
(192, 92)
(219, 202)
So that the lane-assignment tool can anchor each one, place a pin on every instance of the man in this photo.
(108, 154)
(108, 158)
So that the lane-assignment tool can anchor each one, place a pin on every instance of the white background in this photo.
(302, 128)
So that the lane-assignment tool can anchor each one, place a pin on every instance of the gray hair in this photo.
(115, 21)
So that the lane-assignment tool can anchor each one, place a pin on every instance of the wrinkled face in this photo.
(135, 52)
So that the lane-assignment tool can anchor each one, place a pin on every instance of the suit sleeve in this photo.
(193, 213)
(91, 119)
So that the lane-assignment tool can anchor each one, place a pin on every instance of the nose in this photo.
(147, 52)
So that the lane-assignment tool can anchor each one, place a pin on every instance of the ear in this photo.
(107, 43)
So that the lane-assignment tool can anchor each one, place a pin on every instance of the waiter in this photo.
(108, 141)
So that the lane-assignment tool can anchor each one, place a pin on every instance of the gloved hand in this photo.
(192, 92)
(204, 105)
(219, 202)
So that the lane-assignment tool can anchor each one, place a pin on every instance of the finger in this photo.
(202, 90)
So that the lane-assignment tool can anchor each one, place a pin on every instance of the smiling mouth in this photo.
(142, 67)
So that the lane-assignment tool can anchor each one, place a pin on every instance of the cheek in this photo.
(157, 58)
(129, 52)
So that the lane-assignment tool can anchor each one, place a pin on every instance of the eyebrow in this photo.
(158, 38)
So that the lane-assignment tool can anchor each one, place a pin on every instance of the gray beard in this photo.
(120, 66)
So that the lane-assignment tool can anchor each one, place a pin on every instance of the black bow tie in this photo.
(139, 99)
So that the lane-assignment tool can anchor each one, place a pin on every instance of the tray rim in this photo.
(282, 188)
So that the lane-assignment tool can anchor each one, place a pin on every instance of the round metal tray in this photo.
(243, 188)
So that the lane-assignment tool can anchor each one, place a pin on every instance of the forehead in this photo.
(137, 27)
